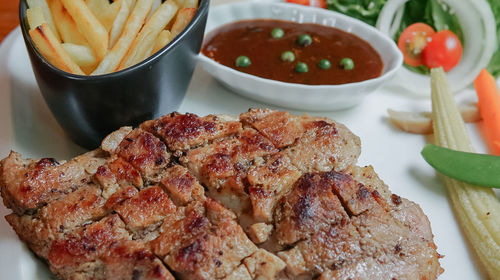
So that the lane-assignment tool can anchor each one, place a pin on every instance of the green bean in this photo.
(472, 168)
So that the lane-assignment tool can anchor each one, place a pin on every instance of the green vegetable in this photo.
(242, 61)
(324, 64)
(288, 56)
(301, 67)
(472, 168)
(365, 10)
(277, 33)
(494, 65)
(477, 209)
(304, 40)
(347, 63)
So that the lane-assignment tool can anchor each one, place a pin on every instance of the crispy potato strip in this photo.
(51, 49)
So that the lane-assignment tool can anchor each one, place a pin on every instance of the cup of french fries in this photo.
(102, 64)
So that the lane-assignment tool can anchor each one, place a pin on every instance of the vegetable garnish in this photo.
(301, 67)
(489, 107)
(444, 49)
(242, 61)
(347, 63)
(324, 64)
(477, 209)
(420, 45)
(277, 33)
(304, 40)
(366, 11)
(472, 168)
(412, 42)
(494, 65)
(288, 56)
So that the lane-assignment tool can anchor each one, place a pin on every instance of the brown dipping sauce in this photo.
(253, 38)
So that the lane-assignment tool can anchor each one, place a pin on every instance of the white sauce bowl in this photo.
(298, 96)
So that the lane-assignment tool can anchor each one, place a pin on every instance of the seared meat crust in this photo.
(179, 197)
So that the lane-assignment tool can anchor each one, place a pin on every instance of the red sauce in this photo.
(253, 38)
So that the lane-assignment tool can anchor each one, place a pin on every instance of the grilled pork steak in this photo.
(267, 196)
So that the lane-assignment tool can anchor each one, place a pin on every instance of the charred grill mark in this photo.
(219, 163)
(258, 192)
(157, 271)
(180, 127)
(182, 183)
(191, 254)
(304, 209)
(136, 274)
(145, 152)
(47, 162)
(363, 193)
(396, 199)
(197, 223)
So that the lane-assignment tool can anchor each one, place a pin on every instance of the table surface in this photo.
(8, 17)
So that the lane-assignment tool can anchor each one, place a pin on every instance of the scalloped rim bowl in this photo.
(298, 96)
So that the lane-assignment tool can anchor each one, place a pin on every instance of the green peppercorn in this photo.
(347, 63)
(288, 56)
(301, 67)
(242, 61)
(277, 33)
(304, 40)
(324, 64)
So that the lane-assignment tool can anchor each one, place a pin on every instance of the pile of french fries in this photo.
(96, 37)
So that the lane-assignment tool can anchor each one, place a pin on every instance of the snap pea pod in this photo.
(472, 168)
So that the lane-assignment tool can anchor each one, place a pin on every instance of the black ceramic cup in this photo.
(90, 107)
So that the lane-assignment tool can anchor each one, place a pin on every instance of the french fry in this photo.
(42, 4)
(134, 23)
(119, 22)
(184, 16)
(88, 25)
(65, 24)
(81, 55)
(144, 43)
(35, 17)
(190, 3)
(104, 11)
(156, 5)
(51, 49)
(163, 39)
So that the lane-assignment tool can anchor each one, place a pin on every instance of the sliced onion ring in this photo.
(480, 41)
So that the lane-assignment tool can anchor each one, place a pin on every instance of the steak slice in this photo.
(340, 228)
(206, 243)
(223, 166)
(185, 131)
(179, 197)
(28, 184)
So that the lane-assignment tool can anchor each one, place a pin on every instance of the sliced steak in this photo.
(185, 131)
(268, 196)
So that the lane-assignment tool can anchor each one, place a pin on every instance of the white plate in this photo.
(298, 96)
(27, 126)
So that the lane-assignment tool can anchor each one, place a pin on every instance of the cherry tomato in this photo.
(412, 42)
(444, 50)
(301, 2)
